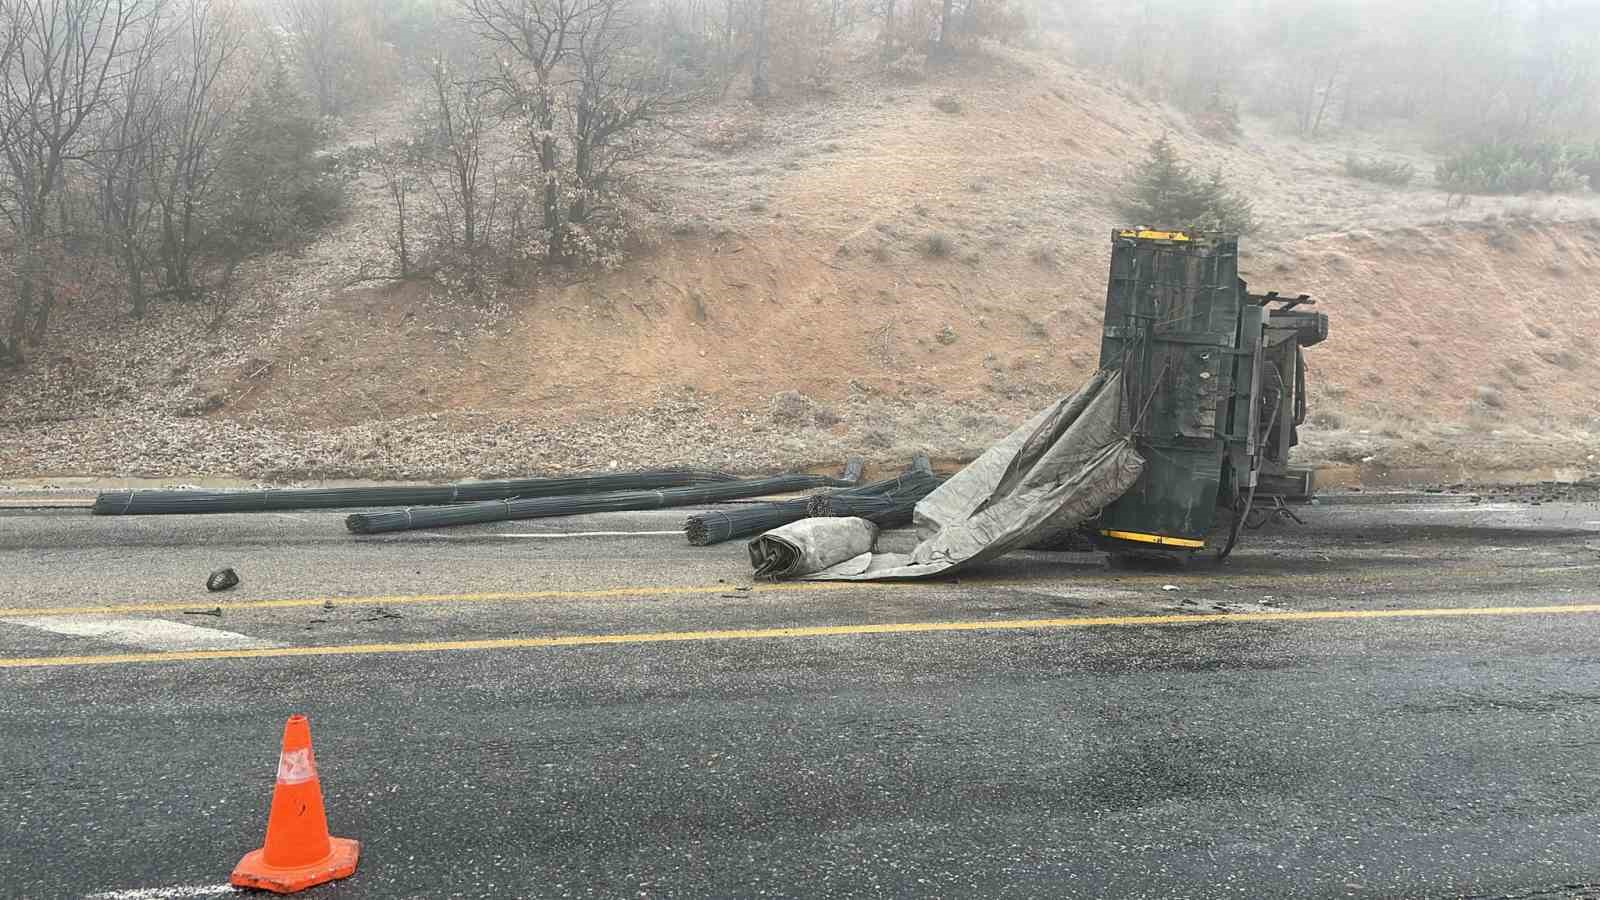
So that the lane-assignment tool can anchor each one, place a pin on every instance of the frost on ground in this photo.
(855, 272)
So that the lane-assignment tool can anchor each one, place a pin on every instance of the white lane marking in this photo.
(1458, 509)
(163, 893)
(152, 634)
(576, 534)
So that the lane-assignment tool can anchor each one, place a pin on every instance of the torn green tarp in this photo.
(1051, 475)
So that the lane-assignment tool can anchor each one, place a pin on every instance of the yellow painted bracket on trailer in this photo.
(1157, 539)
(1155, 235)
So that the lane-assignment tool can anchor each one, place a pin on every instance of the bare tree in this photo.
(316, 29)
(458, 114)
(542, 35)
(200, 103)
(62, 59)
(125, 156)
(841, 16)
(617, 94)
(760, 87)
(730, 59)
(10, 120)
(396, 168)
(1559, 80)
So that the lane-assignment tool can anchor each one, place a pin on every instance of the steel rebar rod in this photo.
(541, 507)
(134, 503)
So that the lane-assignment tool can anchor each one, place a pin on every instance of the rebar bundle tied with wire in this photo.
(715, 526)
(147, 503)
(889, 509)
(915, 482)
(615, 501)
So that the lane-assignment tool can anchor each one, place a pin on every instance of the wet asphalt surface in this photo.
(1434, 756)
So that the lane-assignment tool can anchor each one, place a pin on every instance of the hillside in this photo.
(868, 272)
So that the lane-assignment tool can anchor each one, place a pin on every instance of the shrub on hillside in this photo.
(279, 190)
(908, 66)
(1506, 168)
(1162, 191)
(1381, 171)
(1585, 161)
(732, 134)
(1219, 118)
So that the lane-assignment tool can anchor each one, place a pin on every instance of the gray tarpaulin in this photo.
(1056, 471)
(811, 545)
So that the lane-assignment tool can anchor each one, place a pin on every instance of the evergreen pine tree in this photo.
(278, 185)
(1163, 192)
(1225, 210)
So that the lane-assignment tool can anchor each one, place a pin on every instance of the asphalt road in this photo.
(1393, 700)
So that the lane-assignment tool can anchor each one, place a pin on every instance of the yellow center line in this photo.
(401, 599)
(1079, 581)
(661, 637)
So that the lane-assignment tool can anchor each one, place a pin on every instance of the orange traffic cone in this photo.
(298, 852)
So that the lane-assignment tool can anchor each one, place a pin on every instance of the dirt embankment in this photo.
(868, 273)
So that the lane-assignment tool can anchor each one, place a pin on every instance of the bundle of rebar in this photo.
(906, 483)
(883, 511)
(615, 501)
(889, 508)
(717, 525)
(912, 479)
(146, 503)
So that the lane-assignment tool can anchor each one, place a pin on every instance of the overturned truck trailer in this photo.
(1185, 426)
(1214, 387)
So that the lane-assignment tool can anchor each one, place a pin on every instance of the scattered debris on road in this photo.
(222, 580)
(1043, 480)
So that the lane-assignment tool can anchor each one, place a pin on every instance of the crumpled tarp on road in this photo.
(811, 545)
(1050, 475)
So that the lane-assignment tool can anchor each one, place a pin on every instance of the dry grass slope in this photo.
(896, 267)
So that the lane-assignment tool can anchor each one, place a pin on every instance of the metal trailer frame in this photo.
(1214, 391)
